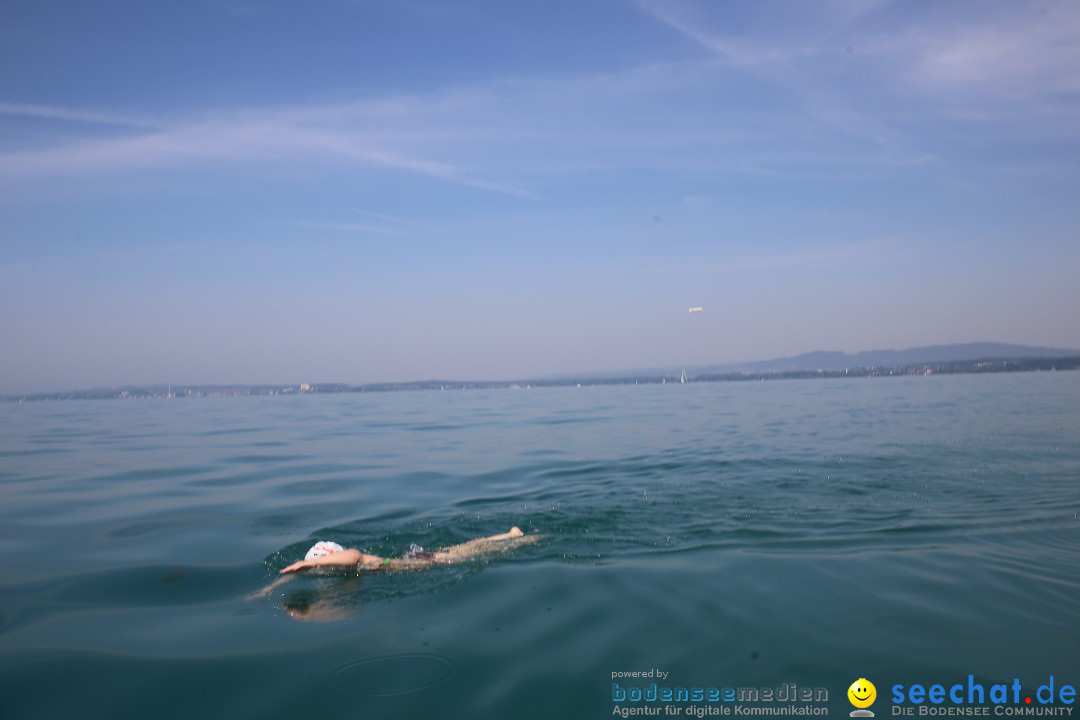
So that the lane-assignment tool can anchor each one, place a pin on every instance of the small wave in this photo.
(393, 674)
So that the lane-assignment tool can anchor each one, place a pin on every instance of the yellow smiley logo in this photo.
(862, 693)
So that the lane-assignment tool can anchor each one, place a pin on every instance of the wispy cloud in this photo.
(1021, 53)
(807, 30)
(51, 112)
(254, 135)
(793, 60)
(1007, 62)
(680, 17)
(762, 99)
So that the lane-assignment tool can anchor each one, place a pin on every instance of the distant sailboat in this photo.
(682, 378)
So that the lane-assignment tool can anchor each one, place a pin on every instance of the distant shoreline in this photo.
(957, 367)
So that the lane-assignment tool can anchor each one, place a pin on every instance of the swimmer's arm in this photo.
(342, 558)
(479, 546)
(459, 553)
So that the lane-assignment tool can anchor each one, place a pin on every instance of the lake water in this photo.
(907, 530)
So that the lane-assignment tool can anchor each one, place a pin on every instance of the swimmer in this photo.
(329, 554)
(325, 554)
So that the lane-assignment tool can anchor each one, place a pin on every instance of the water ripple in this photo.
(393, 674)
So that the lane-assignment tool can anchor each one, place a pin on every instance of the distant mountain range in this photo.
(834, 361)
(935, 359)
(897, 358)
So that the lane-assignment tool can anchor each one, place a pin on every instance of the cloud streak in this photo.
(1007, 60)
(1020, 54)
(50, 112)
(765, 102)
(251, 136)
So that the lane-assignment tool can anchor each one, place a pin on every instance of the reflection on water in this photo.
(332, 599)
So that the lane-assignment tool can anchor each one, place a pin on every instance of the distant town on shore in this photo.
(926, 361)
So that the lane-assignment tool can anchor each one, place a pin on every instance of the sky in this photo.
(277, 191)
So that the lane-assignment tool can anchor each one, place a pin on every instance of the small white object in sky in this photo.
(696, 309)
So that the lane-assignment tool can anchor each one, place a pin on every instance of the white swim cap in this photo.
(321, 548)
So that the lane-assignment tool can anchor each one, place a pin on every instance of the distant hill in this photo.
(897, 358)
(838, 361)
(937, 359)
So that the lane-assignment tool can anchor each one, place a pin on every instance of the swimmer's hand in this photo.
(342, 558)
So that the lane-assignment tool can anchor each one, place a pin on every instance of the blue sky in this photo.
(249, 191)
